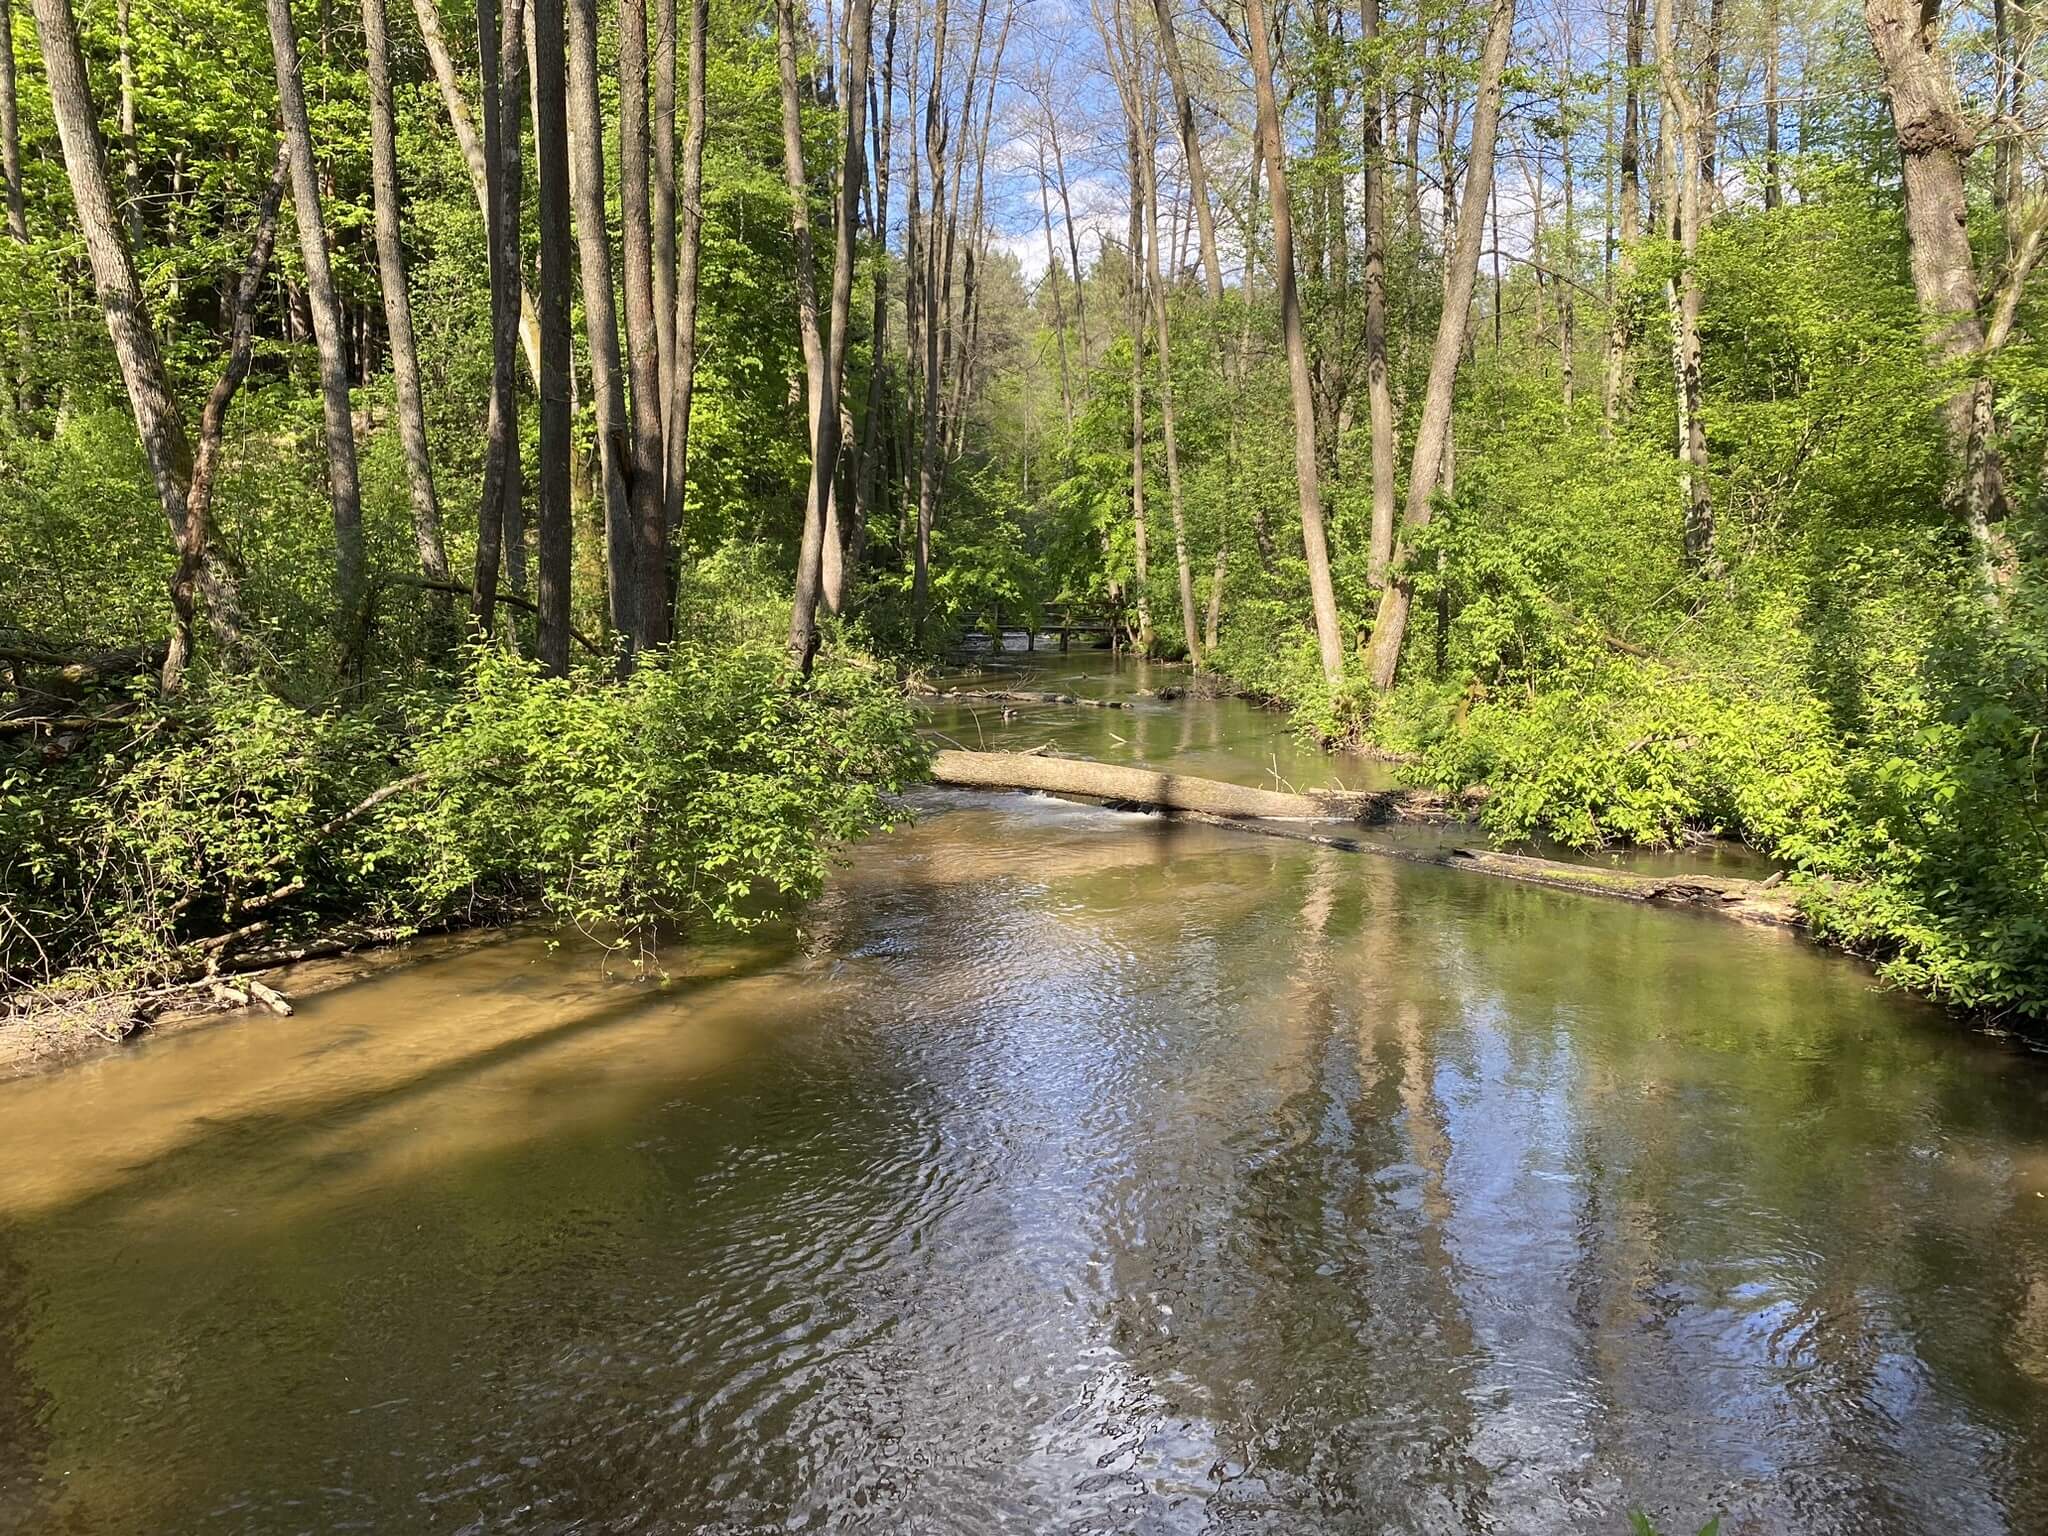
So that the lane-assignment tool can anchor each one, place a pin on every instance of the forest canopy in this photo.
(458, 459)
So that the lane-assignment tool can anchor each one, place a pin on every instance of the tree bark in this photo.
(600, 314)
(198, 536)
(551, 159)
(1620, 327)
(466, 136)
(871, 419)
(131, 165)
(928, 306)
(391, 277)
(665, 253)
(1774, 193)
(1329, 640)
(1686, 197)
(1140, 535)
(10, 130)
(1433, 428)
(1059, 169)
(1151, 787)
(643, 356)
(503, 60)
(683, 382)
(1191, 148)
(1379, 393)
(351, 571)
(1934, 138)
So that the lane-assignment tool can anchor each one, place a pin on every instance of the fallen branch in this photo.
(1017, 696)
(463, 589)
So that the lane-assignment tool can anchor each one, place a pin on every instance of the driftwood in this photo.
(1164, 791)
(1265, 811)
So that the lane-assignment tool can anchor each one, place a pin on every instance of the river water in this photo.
(1066, 1170)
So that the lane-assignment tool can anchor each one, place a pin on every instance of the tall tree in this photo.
(689, 257)
(351, 574)
(1686, 199)
(871, 418)
(10, 130)
(1191, 147)
(551, 165)
(1433, 426)
(391, 277)
(1933, 138)
(1307, 477)
(600, 314)
(1378, 388)
(502, 58)
(1628, 215)
(1140, 535)
(643, 356)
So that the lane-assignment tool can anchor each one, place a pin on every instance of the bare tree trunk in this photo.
(497, 515)
(1059, 169)
(131, 165)
(825, 423)
(684, 380)
(1619, 320)
(1567, 312)
(871, 420)
(1686, 198)
(197, 536)
(551, 158)
(464, 126)
(1433, 428)
(1140, 536)
(1191, 148)
(10, 130)
(391, 277)
(665, 254)
(600, 314)
(927, 468)
(1149, 182)
(1329, 640)
(1710, 106)
(1934, 138)
(1053, 275)
(1379, 394)
(350, 564)
(643, 356)
(1774, 192)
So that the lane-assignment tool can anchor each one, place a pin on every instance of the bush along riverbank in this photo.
(1887, 752)
(182, 840)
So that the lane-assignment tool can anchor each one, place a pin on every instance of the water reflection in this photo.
(1066, 1170)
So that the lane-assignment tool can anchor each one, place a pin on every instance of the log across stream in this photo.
(1278, 813)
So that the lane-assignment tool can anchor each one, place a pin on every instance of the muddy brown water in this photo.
(1066, 1170)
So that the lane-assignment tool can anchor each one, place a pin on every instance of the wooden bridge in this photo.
(1066, 625)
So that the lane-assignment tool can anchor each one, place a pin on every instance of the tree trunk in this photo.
(466, 136)
(643, 355)
(684, 374)
(1433, 428)
(1059, 169)
(1774, 193)
(10, 130)
(391, 277)
(351, 574)
(1379, 394)
(131, 165)
(1131, 785)
(927, 465)
(197, 536)
(1149, 181)
(1710, 105)
(503, 62)
(1686, 198)
(1329, 641)
(665, 254)
(551, 160)
(1191, 148)
(1620, 330)
(1142, 555)
(871, 419)
(1934, 138)
(600, 314)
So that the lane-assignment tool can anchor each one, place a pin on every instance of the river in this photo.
(1065, 1169)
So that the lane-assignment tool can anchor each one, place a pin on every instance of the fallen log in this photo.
(1264, 811)
(1158, 790)
(1017, 696)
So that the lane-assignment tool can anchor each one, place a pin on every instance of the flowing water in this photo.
(1068, 1170)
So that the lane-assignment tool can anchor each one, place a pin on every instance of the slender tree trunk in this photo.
(1433, 428)
(498, 516)
(1379, 393)
(1191, 148)
(1933, 138)
(1774, 193)
(643, 354)
(1053, 276)
(1620, 326)
(471, 143)
(1567, 312)
(131, 164)
(197, 536)
(1329, 640)
(1059, 169)
(350, 564)
(391, 276)
(1686, 196)
(551, 160)
(600, 315)
(927, 468)
(871, 419)
(665, 252)
(811, 582)
(1710, 107)
(1140, 535)
(689, 258)
(1149, 182)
